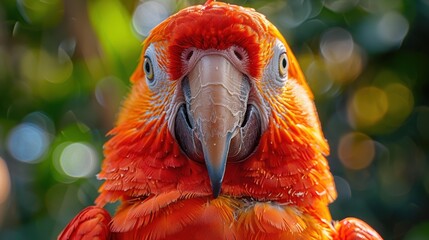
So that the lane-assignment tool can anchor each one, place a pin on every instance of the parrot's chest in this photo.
(221, 218)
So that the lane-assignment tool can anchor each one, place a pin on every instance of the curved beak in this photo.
(216, 101)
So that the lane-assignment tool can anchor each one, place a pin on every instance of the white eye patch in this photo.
(276, 71)
(153, 73)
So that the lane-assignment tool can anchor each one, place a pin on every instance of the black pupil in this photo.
(284, 63)
(147, 67)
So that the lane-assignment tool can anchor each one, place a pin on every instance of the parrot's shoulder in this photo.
(90, 223)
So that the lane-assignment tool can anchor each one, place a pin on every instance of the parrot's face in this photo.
(216, 111)
(217, 95)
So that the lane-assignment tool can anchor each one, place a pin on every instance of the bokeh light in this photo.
(5, 190)
(382, 107)
(4, 183)
(401, 102)
(78, 160)
(367, 106)
(149, 14)
(383, 32)
(343, 58)
(296, 12)
(27, 142)
(356, 150)
(392, 28)
(336, 45)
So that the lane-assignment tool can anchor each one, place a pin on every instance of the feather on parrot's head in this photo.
(219, 105)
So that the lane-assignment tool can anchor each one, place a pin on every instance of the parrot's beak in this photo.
(216, 96)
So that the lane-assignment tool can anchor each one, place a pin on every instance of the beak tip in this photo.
(216, 159)
(216, 177)
(216, 189)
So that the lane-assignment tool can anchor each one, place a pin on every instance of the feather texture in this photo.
(221, 218)
(90, 223)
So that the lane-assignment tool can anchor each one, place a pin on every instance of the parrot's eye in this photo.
(148, 68)
(283, 65)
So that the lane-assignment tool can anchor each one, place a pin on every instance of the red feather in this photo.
(90, 223)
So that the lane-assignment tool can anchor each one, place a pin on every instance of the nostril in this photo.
(189, 55)
(238, 55)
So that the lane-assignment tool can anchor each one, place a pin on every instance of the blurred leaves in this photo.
(64, 70)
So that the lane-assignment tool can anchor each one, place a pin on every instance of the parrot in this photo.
(219, 138)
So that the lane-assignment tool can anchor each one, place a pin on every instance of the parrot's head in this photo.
(218, 103)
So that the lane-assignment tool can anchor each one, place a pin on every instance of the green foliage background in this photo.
(64, 67)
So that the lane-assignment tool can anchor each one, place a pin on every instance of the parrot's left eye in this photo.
(283, 64)
(148, 69)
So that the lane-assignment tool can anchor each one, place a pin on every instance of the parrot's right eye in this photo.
(148, 68)
(283, 64)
